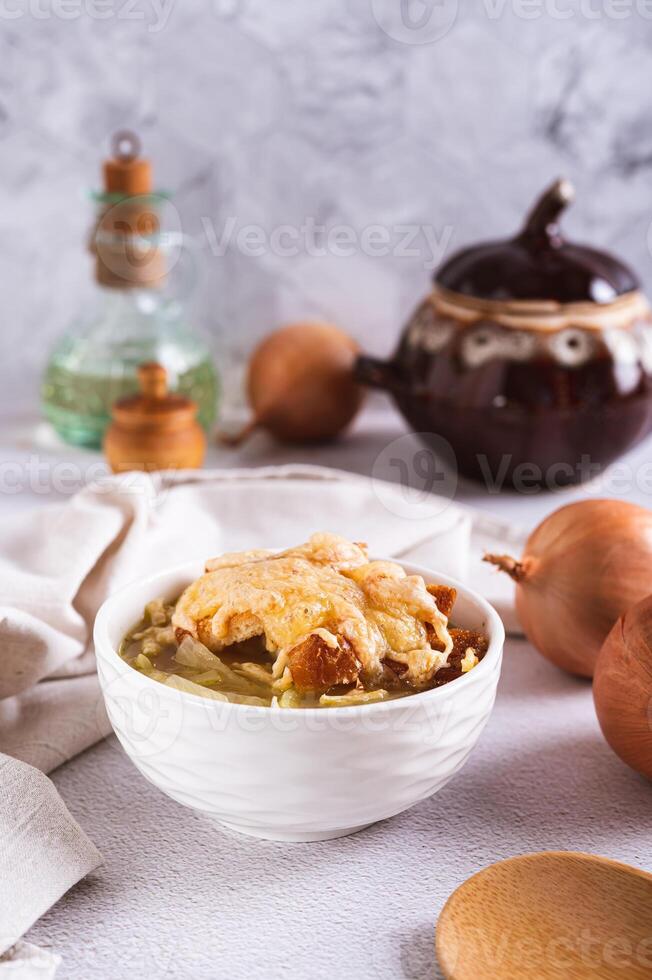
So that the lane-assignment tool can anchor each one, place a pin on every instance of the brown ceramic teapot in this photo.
(532, 357)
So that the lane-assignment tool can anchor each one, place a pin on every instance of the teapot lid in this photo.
(538, 263)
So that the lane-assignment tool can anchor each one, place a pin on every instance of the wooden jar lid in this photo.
(154, 405)
(127, 172)
(154, 430)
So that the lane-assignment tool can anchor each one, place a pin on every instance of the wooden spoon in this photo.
(551, 916)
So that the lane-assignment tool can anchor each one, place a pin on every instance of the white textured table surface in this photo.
(34, 469)
(177, 897)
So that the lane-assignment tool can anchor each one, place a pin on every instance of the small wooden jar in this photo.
(154, 430)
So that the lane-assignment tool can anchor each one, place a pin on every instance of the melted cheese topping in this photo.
(470, 660)
(326, 587)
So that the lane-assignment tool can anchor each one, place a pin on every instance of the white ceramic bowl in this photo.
(293, 775)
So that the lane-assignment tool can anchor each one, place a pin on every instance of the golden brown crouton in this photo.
(463, 640)
(444, 596)
(316, 666)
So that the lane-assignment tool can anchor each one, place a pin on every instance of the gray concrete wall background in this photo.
(283, 116)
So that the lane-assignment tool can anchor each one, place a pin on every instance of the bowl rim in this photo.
(104, 648)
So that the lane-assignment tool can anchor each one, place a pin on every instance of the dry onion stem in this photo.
(583, 567)
(300, 384)
(622, 688)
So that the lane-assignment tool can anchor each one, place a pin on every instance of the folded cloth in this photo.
(59, 564)
(24, 961)
(53, 721)
(43, 852)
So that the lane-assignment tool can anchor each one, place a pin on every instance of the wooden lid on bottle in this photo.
(127, 172)
(125, 240)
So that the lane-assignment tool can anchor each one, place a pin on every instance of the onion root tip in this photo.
(505, 563)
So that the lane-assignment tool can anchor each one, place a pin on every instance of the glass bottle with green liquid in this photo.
(142, 275)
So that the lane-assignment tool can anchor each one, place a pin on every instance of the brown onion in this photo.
(300, 384)
(622, 688)
(583, 567)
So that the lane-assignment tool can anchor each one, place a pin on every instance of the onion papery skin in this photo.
(622, 688)
(583, 567)
(300, 383)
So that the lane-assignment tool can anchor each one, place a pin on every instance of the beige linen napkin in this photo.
(24, 961)
(58, 565)
(43, 852)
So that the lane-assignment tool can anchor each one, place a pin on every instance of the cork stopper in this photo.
(125, 238)
(127, 172)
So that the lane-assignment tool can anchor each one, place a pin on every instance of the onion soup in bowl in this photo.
(198, 686)
(318, 625)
